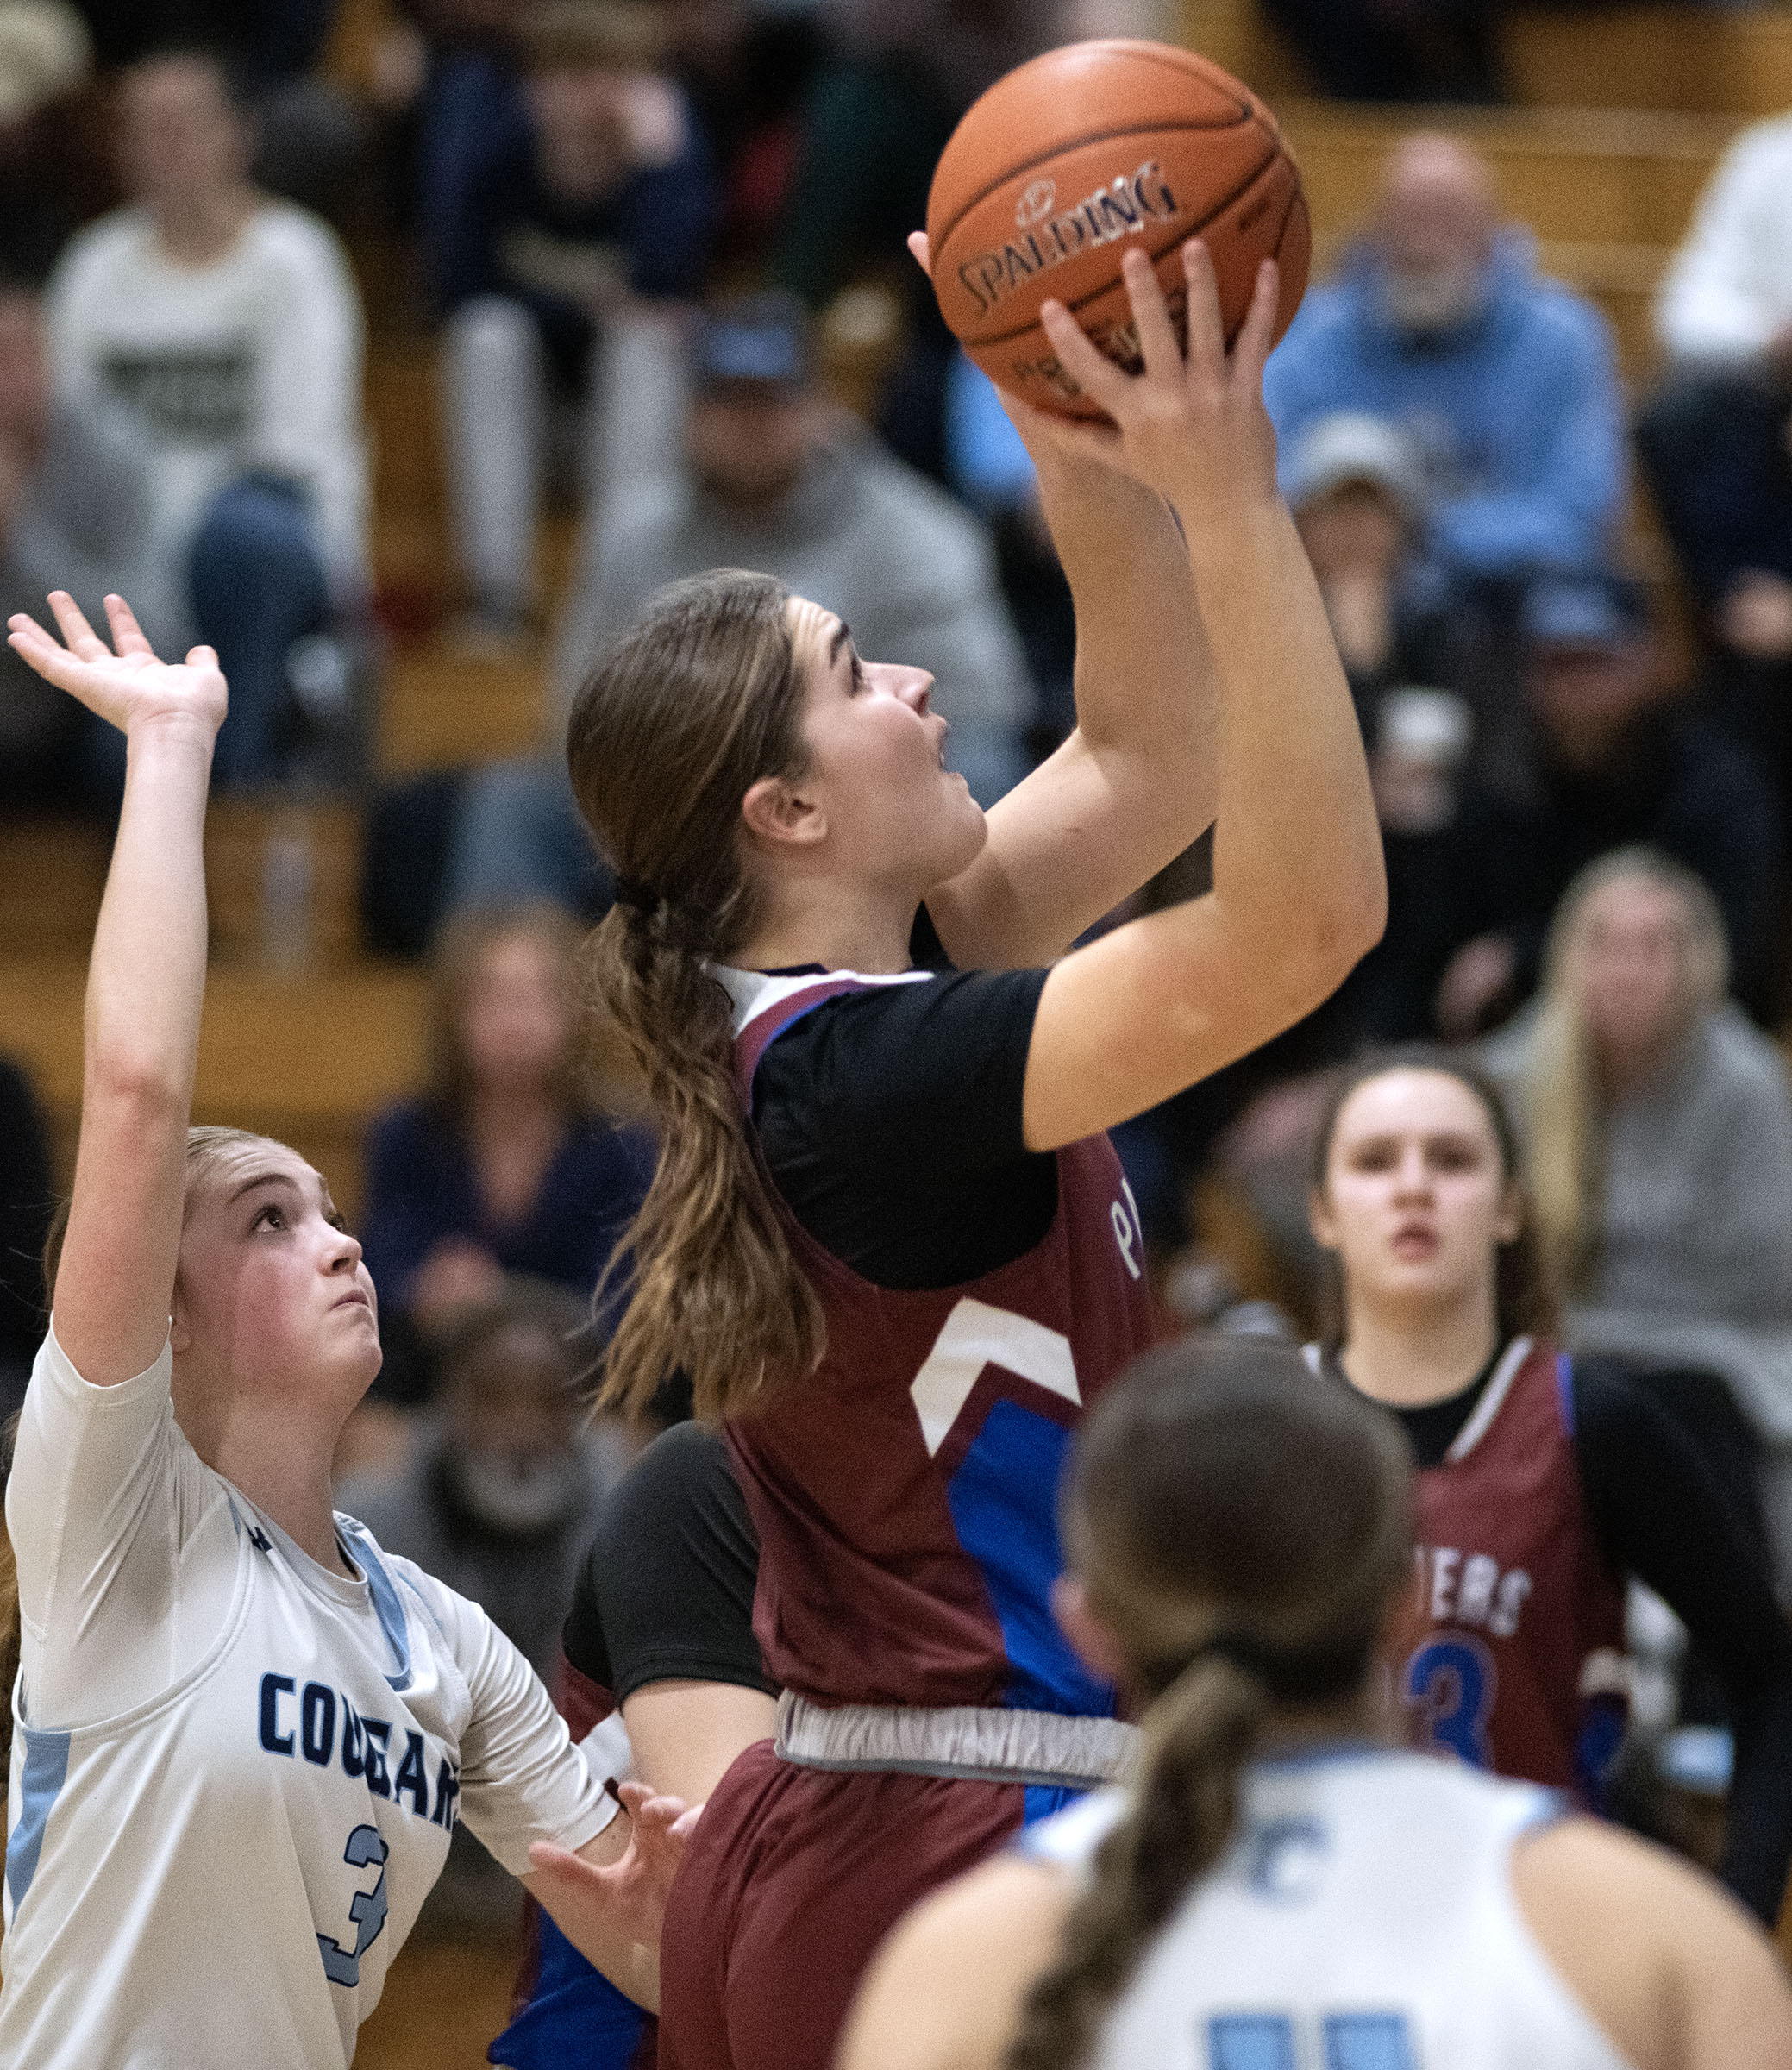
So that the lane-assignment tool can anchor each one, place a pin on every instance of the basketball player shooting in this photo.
(887, 1237)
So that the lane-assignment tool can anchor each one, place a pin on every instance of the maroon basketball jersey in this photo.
(906, 1493)
(1519, 1665)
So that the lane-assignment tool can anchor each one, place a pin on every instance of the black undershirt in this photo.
(891, 1122)
(1659, 1512)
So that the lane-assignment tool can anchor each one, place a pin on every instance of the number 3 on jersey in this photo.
(366, 1909)
(1450, 1686)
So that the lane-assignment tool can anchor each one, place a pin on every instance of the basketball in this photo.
(1072, 157)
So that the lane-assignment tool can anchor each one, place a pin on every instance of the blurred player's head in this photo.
(183, 140)
(1237, 1530)
(1417, 1199)
(511, 1412)
(1433, 233)
(597, 108)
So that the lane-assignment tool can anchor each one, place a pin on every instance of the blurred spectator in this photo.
(1357, 487)
(500, 1494)
(1616, 760)
(1395, 50)
(1659, 1120)
(1659, 1128)
(76, 500)
(1726, 298)
(26, 1201)
(1505, 383)
(1716, 444)
(503, 1164)
(550, 202)
(51, 176)
(227, 329)
(771, 477)
(748, 70)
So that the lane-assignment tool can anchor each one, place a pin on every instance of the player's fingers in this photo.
(923, 258)
(71, 623)
(48, 656)
(1251, 346)
(560, 1862)
(1093, 373)
(1206, 328)
(1150, 314)
(198, 657)
(127, 634)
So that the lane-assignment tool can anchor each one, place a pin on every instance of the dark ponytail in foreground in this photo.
(1240, 1525)
(679, 718)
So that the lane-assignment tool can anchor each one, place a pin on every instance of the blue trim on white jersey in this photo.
(46, 1772)
(389, 1609)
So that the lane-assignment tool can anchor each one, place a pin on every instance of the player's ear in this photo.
(1096, 1646)
(1320, 1218)
(1510, 1224)
(783, 815)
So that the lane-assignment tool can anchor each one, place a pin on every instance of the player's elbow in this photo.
(1341, 923)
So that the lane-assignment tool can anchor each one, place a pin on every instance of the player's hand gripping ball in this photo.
(1073, 159)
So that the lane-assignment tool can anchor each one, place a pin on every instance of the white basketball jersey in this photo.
(1363, 1920)
(235, 1771)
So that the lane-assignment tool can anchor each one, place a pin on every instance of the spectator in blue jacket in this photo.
(1505, 383)
(555, 201)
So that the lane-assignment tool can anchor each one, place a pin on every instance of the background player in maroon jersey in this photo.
(902, 1282)
(1544, 1481)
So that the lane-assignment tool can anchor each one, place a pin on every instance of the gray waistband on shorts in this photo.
(967, 1742)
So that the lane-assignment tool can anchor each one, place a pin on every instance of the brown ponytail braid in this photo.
(678, 719)
(1240, 1526)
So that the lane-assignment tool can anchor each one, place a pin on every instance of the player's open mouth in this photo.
(1414, 1241)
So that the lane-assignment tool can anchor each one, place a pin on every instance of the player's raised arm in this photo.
(1299, 891)
(145, 986)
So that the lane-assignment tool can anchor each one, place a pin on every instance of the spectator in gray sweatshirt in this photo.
(1658, 1121)
(767, 475)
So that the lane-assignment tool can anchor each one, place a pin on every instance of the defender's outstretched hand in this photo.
(124, 683)
(604, 1909)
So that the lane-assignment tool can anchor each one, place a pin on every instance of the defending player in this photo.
(886, 1238)
(1544, 1481)
(243, 1733)
(1277, 1889)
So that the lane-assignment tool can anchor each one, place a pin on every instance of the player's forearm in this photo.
(1298, 848)
(145, 981)
(1145, 675)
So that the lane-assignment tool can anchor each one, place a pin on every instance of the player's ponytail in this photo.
(1193, 1519)
(678, 721)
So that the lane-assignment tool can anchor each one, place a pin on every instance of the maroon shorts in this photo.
(791, 1878)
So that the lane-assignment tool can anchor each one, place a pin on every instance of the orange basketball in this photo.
(1078, 154)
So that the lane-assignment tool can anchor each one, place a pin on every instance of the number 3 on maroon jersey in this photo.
(1449, 1689)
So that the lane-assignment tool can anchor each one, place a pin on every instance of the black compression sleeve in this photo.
(666, 1593)
(1659, 1514)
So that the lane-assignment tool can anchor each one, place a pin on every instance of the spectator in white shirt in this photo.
(227, 326)
(1727, 296)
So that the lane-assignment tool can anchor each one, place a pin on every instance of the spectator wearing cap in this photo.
(224, 329)
(1505, 383)
(581, 203)
(768, 475)
(1615, 760)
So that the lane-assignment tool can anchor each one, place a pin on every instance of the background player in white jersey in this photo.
(243, 1732)
(1277, 1891)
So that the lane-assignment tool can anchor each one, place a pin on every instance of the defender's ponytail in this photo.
(1240, 1526)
